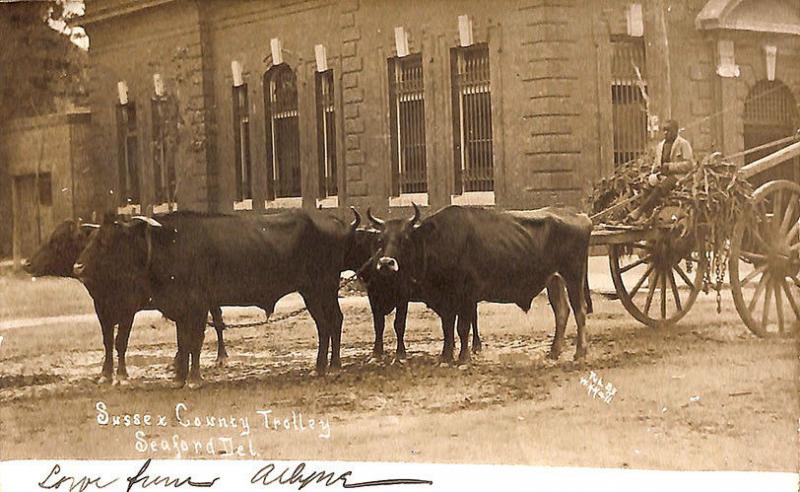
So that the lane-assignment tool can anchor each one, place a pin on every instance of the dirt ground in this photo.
(706, 395)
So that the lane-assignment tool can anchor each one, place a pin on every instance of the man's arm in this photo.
(685, 162)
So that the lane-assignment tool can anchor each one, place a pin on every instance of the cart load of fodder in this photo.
(706, 203)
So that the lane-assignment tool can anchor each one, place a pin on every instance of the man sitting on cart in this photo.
(673, 160)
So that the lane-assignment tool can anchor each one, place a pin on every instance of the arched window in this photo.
(770, 113)
(282, 133)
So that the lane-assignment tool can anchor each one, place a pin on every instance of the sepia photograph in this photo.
(411, 245)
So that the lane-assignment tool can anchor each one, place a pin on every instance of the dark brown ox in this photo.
(460, 256)
(189, 262)
(115, 305)
(389, 293)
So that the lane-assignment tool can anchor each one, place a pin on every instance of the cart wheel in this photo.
(765, 261)
(657, 281)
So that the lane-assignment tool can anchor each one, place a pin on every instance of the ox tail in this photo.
(587, 293)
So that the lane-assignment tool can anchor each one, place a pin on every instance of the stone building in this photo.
(233, 105)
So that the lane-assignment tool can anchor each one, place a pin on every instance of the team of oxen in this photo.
(187, 264)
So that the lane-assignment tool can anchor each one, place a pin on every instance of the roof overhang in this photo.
(98, 11)
(766, 16)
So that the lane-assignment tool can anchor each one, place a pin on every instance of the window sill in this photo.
(243, 205)
(130, 209)
(409, 199)
(286, 202)
(164, 208)
(474, 198)
(328, 202)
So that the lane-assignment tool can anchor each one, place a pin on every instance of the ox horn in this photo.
(90, 226)
(375, 221)
(148, 220)
(356, 220)
(417, 214)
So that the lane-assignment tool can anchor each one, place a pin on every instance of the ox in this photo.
(388, 293)
(115, 305)
(190, 261)
(460, 256)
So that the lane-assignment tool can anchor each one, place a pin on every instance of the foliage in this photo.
(43, 72)
(704, 206)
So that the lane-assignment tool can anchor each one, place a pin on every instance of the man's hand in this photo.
(653, 179)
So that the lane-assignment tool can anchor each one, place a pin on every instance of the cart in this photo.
(658, 275)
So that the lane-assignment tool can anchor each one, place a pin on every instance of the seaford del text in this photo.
(223, 435)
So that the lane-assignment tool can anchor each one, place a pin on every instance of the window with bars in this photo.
(163, 122)
(326, 134)
(283, 133)
(628, 104)
(128, 154)
(241, 140)
(472, 119)
(407, 121)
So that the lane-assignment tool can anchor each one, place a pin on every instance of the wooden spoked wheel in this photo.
(657, 281)
(764, 263)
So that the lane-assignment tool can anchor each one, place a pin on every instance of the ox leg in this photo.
(107, 330)
(183, 332)
(335, 318)
(476, 338)
(464, 324)
(448, 327)
(317, 312)
(575, 289)
(400, 317)
(557, 295)
(219, 326)
(378, 324)
(121, 343)
(197, 334)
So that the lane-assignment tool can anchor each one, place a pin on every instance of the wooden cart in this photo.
(658, 275)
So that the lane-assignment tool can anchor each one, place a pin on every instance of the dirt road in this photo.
(704, 396)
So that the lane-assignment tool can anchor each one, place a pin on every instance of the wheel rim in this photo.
(658, 282)
(765, 261)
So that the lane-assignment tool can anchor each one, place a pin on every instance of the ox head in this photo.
(395, 243)
(57, 255)
(118, 250)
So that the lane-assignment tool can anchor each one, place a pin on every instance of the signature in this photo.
(80, 484)
(267, 475)
(302, 478)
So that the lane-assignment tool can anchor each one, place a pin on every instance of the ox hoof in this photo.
(178, 384)
(554, 354)
(193, 385)
(222, 361)
(443, 364)
(373, 360)
(580, 355)
(104, 379)
(399, 361)
(123, 382)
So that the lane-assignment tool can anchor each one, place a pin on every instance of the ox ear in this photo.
(87, 229)
(423, 228)
(148, 220)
